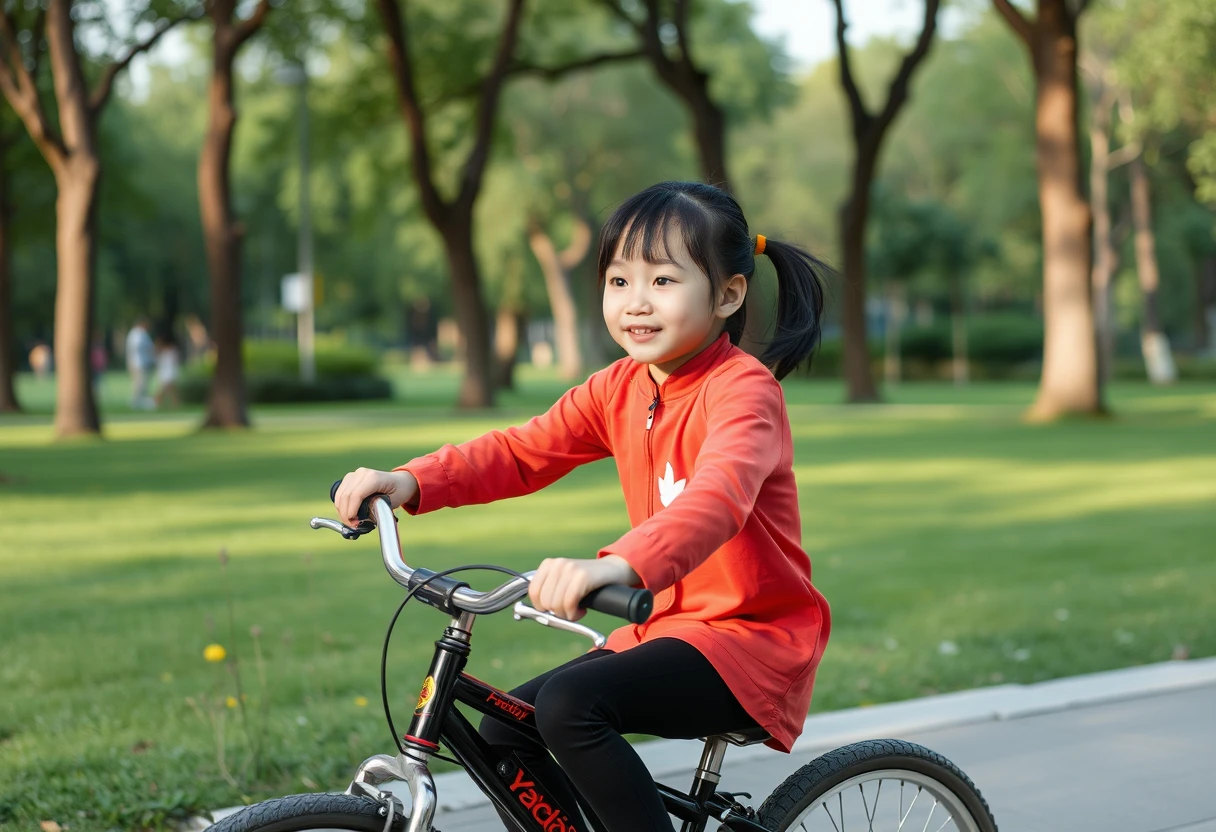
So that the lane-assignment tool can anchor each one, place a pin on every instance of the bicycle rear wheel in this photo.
(312, 813)
(878, 785)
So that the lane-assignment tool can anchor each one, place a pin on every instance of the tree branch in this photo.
(580, 243)
(680, 19)
(402, 62)
(899, 87)
(1020, 25)
(1123, 155)
(105, 84)
(614, 7)
(249, 27)
(19, 87)
(559, 71)
(39, 32)
(861, 117)
(488, 105)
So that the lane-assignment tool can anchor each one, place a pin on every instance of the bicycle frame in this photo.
(513, 790)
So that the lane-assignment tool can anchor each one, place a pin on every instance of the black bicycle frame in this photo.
(513, 790)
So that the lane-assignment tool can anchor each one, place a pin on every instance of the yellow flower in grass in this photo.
(360, 701)
(215, 653)
(230, 701)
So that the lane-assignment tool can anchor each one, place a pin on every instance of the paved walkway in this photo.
(1125, 751)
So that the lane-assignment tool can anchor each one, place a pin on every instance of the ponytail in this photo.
(800, 287)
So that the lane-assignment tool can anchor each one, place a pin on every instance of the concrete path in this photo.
(1124, 751)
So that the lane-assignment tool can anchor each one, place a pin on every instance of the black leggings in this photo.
(663, 687)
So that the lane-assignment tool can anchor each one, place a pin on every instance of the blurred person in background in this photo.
(168, 365)
(140, 361)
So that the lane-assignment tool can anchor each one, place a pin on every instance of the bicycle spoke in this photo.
(870, 817)
(948, 820)
(832, 819)
(902, 820)
(932, 809)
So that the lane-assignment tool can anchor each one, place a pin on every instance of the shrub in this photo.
(272, 375)
(280, 388)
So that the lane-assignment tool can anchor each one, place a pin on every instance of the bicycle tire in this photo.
(306, 812)
(814, 782)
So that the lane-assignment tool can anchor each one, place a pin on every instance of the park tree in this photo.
(684, 43)
(1104, 93)
(222, 230)
(869, 128)
(69, 145)
(1069, 381)
(452, 217)
(1162, 65)
(9, 136)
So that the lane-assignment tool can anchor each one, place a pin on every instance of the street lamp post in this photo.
(296, 75)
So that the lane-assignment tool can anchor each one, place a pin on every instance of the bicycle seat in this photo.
(748, 736)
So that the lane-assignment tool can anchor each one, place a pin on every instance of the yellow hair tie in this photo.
(760, 244)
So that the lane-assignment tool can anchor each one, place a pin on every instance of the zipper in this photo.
(650, 482)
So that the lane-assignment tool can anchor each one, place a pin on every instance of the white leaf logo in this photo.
(669, 488)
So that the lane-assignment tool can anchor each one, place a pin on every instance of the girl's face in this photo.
(664, 313)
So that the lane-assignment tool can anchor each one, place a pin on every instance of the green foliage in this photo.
(272, 368)
(995, 343)
(1166, 55)
(332, 359)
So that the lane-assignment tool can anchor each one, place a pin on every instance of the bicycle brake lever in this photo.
(349, 533)
(545, 619)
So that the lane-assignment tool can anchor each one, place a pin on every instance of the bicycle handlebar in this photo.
(625, 602)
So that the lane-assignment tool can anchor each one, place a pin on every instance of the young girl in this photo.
(702, 442)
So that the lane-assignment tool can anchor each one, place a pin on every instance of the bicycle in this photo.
(817, 791)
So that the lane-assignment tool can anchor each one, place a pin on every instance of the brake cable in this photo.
(484, 567)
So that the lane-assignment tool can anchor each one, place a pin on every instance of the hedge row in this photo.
(272, 375)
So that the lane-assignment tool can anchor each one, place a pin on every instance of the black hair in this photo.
(715, 234)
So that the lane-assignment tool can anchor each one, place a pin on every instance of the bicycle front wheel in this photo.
(878, 785)
(312, 813)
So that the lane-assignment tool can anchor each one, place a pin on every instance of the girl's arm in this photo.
(518, 460)
(744, 443)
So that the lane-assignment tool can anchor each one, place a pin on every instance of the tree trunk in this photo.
(854, 213)
(226, 404)
(508, 333)
(1158, 360)
(868, 131)
(709, 128)
(1106, 257)
(897, 311)
(75, 248)
(8, 339)
(1069, 383)
(477, 387)
(561, 299)
(961, 364)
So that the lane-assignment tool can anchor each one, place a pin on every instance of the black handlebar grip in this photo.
(365, 507)
(625, 602)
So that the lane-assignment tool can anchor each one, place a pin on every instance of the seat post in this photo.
(708, 774)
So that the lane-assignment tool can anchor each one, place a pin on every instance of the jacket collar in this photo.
(689, 375)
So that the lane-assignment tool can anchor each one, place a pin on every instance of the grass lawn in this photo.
(958, 548)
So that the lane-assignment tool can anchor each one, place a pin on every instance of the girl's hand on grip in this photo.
(560, 584)
(399, 486)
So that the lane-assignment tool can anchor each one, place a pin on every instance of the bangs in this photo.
(641, 225)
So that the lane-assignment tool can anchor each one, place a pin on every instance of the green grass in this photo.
(1035, 551)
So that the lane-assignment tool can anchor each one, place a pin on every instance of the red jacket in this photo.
(706, 464)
